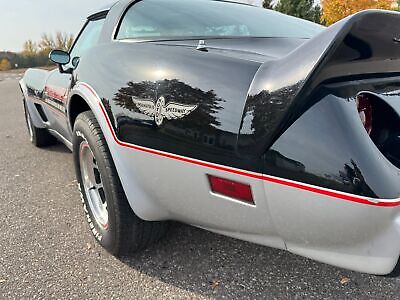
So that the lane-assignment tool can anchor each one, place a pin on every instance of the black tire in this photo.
(39, 137)
(124, 233)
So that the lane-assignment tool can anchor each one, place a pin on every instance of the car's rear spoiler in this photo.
(364, 45)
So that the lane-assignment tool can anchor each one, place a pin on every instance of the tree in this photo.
(5, 65)
(63, 41)
(268, 4)
(29, 49)
(60, 41)
(304, 9)
(335, 10)
(46, 44)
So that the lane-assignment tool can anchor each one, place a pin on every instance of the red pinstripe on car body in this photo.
(297, 185)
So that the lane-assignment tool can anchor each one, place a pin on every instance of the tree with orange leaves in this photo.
(335, 10)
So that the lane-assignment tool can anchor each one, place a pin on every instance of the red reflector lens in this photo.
(231, 189)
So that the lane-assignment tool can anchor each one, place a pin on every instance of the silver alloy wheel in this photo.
(93, 185)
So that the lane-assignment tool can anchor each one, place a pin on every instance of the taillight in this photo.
(364, 107)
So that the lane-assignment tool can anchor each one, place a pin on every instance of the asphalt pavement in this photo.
(47, 251)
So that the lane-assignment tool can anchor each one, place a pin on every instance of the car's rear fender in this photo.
(186, 196)
(139, 201)
(340, 200)
(329, 139)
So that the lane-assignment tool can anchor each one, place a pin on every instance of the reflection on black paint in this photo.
(352, 176)
(349, 179)
(263, 114)
(277, 160)
(107, 106)
(328, 143)
(196, 135)
(142, 90)
(280, 95)
(354, 48)
(34, 93)
(174, 90)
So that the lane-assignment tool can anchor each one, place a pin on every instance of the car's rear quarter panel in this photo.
(163, 169)
(328, 148)
(217, 84)
(170, 187)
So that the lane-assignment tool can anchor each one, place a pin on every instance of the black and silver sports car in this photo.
(232, 118)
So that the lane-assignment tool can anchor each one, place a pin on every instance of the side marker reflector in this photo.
(230, 188)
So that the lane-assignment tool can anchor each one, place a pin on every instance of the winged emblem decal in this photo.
(160, 110)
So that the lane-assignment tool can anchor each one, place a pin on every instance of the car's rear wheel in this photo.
(40, 137)
(111, 219)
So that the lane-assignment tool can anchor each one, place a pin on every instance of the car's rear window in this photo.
(208, 18)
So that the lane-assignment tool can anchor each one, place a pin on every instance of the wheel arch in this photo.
(139, 200)
(77, 105)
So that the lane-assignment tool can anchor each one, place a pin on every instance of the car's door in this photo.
(59, 82)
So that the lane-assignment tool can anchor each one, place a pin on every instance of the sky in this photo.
(21, 20)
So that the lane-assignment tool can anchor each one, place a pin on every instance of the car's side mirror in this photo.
(75, 62)
(60, 58)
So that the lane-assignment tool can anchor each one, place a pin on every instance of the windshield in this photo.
(208, 18)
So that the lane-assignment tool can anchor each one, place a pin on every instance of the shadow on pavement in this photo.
(59, 148)
(216, 266)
